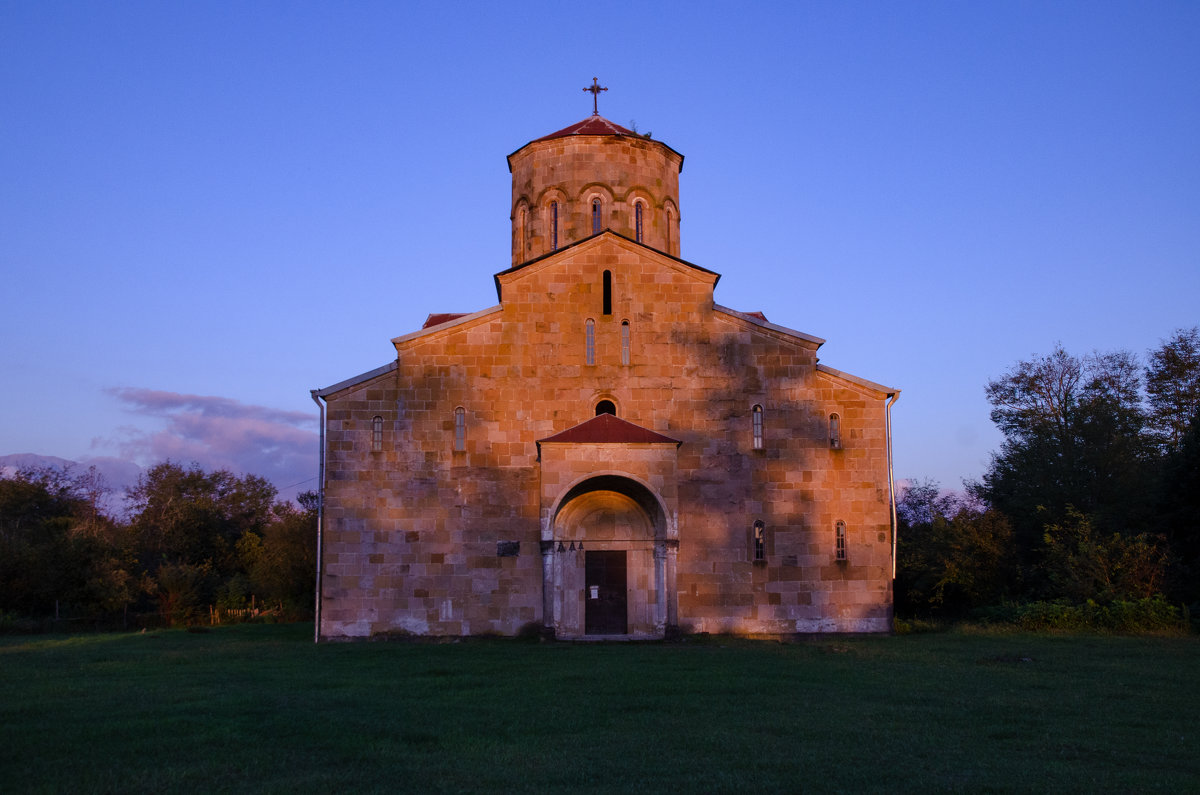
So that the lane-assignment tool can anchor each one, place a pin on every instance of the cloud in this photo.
(219, 433)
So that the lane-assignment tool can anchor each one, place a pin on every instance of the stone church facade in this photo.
(606, 452)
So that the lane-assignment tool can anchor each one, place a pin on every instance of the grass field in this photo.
(262, 709)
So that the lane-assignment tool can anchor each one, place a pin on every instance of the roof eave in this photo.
(854, 379)
(356, 380)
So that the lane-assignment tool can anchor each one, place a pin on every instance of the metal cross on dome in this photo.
(595, 88)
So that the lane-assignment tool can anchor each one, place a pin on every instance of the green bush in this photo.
(1151, 616)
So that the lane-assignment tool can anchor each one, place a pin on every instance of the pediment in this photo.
(608, 429)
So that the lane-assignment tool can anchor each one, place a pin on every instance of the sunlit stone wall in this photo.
(423, 539)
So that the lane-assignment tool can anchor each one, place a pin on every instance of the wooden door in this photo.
(604, 595)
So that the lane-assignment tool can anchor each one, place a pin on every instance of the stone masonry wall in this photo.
(573, 170)
(420, 538)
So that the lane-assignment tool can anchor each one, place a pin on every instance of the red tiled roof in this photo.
(609, 429)
(592, 125)
(438, 318)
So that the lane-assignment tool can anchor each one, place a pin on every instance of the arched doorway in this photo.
(608, 576)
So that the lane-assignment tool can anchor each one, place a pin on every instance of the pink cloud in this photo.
(220, 433)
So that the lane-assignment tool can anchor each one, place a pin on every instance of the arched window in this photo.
(840, 540)
(376, 434)
(757, 412)
(554, 226)
(760, 541)
(524, 241)
(590, 341)
(596, 212)
(670, 220)
(607, 289)
(624, 342)
(835, 431)
(606, 407)
(460, 429)
(637, 221)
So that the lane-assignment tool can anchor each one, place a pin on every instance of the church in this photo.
(607, 452)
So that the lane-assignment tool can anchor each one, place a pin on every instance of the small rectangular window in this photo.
(840, 553)
(760, 541)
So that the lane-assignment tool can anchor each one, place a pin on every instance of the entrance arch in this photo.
(608, 574)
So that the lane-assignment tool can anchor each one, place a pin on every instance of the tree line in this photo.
(192, 544)
(1093, 498)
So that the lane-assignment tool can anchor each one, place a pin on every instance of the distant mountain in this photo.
(118, 473)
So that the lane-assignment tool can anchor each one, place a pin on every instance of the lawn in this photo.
(263, 709)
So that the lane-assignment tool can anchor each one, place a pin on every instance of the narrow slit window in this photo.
(460, 429)
(670, 220)
(607, 286)
(596, 211)
(624, 342)
(554, 226)
(760, 541)
(835, 431)
(757, 413)
(377, 434)
(524, 233)
(637, 221)
(606, 407)
(840, 540)
(590, 341)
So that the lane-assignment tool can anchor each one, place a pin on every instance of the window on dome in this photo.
(596, 211)
(554, 226)
(637, 221)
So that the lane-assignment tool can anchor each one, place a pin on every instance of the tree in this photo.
(954, 554)
(282, 562)
(59, 554)
(187, 523)
(1179, 508)
(1074, 437)
(191, 516)
(1173, 386)
(1082, 564)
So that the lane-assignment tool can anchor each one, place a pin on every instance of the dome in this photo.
(592, 176)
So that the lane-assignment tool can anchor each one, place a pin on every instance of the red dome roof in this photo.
(592, 125)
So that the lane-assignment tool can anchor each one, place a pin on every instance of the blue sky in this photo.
(208, 209)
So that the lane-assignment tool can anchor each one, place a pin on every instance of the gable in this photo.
(570, 283)
(609, 248)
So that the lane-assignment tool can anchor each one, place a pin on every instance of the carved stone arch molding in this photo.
(609, 568)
